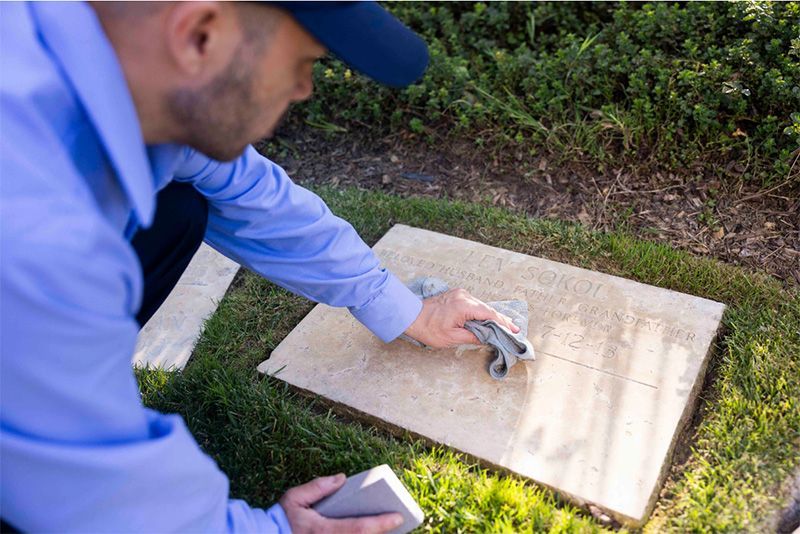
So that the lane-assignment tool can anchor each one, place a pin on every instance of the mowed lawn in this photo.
(741, 448)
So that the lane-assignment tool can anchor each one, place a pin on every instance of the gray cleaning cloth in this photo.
(509, 347)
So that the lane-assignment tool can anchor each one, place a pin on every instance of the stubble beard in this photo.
(214, 118)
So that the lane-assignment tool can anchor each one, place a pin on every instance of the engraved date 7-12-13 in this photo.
(576, 341)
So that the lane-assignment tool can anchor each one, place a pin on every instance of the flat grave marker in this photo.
(168, 338)
(595, 416)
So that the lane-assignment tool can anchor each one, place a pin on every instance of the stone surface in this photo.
(372, 492)
(167, 339)
(596, 416)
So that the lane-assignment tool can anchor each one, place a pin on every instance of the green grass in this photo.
(266, 438)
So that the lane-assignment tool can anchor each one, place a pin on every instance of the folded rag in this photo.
(509, 347)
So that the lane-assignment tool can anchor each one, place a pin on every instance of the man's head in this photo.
(269, 67)
(218, 76)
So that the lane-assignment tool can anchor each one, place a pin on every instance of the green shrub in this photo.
(676, 81)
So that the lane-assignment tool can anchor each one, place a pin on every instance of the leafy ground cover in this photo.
(729, 476)
(676, 121)
(681, 83)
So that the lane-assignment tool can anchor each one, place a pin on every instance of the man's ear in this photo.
(201, 36)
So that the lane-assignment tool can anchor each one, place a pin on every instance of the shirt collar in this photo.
(77, 42)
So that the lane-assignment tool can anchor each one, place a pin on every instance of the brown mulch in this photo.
(729, 219)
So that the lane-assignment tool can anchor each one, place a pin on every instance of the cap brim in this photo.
(366, 37)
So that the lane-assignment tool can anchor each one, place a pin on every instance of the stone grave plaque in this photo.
(168, 338)
(596, 415)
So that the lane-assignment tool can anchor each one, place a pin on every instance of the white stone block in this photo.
(372, 492)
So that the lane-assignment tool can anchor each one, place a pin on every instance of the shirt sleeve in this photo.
(261, 219)
(78, 451)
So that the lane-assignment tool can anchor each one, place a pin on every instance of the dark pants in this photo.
(164, 250)
(166, 247)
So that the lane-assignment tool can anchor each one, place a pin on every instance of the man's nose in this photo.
(303, 90)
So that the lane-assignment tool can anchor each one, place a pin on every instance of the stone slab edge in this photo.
(683, 426)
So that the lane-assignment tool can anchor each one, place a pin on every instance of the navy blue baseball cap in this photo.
(366, 37)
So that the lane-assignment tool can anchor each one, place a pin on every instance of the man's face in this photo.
(246, 101)
(283, 75)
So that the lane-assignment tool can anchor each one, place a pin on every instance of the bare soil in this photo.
(729, 219)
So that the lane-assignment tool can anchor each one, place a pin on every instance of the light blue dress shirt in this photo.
(78, 451)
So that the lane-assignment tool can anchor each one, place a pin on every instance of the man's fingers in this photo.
(462, 336)
(297, 501)
(441, 321)
(369, 524)
(481, 311)
(507, 322)
(311, 492)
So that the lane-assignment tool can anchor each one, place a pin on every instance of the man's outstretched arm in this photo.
(260, 218)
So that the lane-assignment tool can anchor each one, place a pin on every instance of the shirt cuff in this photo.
(242, 518)
(278, 516)
(391, 312)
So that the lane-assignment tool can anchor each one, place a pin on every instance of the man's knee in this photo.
(166, 248)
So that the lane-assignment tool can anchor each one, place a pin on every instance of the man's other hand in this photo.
(441, 322)
(297, 503)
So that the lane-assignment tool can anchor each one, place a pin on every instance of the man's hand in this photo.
(297, 503)
(441, 322)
